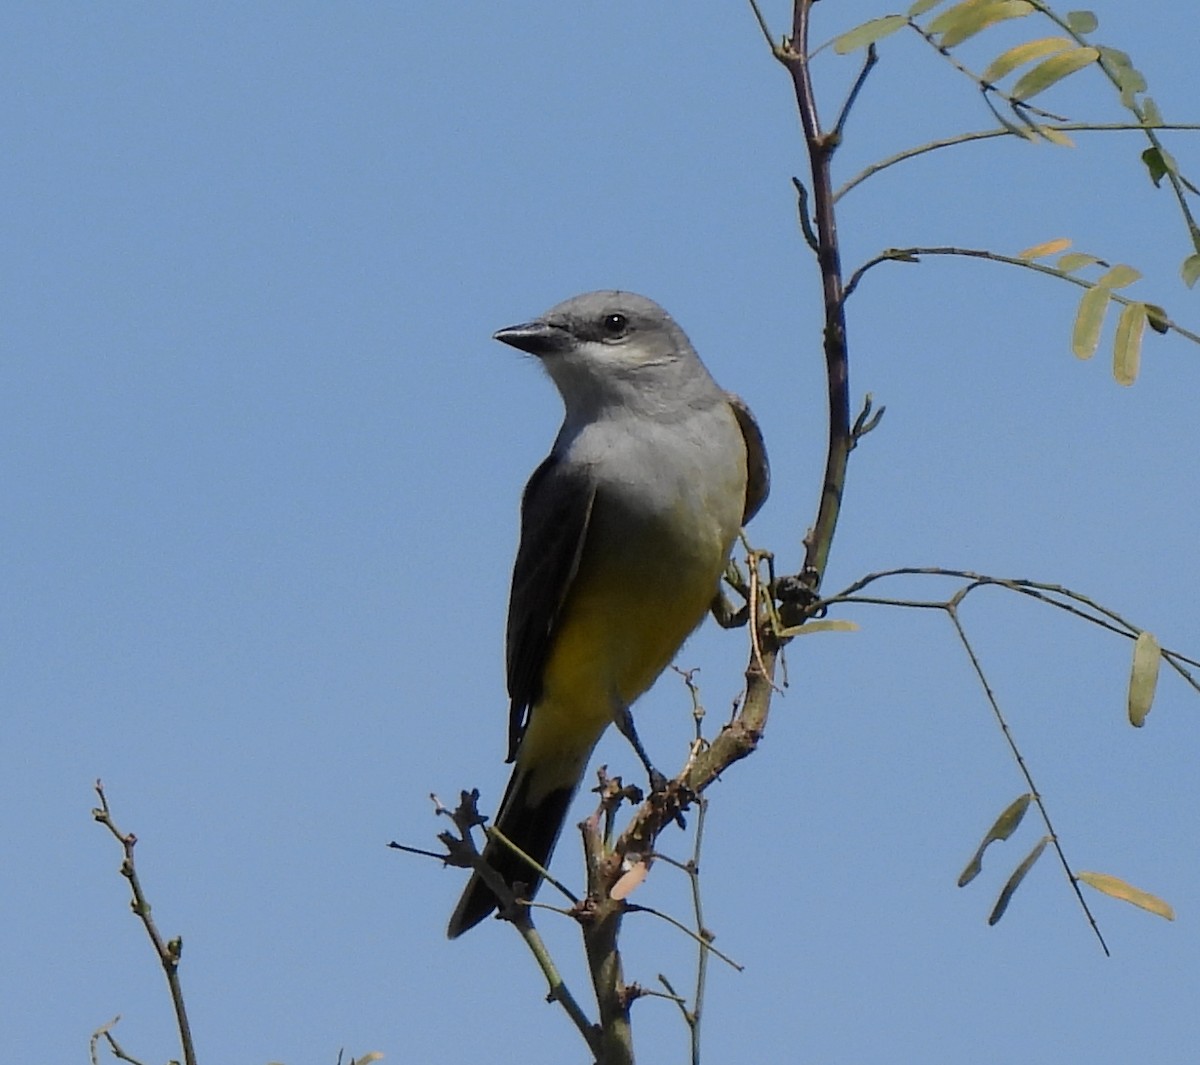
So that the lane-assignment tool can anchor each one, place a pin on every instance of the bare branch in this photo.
(168, 951)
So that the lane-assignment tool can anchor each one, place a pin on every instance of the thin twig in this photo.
(1039, 590)
(168, 951)
(913, 255)
(558, 990)
(755, 636)
(868, 65)
(105, 1032)
(705, 945)
(766, 30)
(702, 931)
(988, 134)
(114, 1047)
(698, 711)
(678, 999)
(536, 866)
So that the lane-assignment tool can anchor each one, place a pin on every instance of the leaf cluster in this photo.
(1042, 62)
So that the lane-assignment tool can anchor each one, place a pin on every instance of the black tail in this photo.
(532, 827)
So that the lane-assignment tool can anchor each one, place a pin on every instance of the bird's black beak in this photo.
(537, 338)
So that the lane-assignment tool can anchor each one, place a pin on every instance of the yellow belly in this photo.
(620, 628)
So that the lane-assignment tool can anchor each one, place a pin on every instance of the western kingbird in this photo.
(626, 528)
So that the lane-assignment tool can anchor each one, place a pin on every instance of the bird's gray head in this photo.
(613, 351)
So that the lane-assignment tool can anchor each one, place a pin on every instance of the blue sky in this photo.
(262, 464)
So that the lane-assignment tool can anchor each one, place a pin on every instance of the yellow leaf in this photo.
(1088, 321)
(1019, 55)
(951, 15)
(1052, 70)
(1050, 247)
(1127, 344)
(1119, 889)
(868, 33)
(1143, 677)
(1119, 276)
(1076, 260)
(978, 18)
(1056, 136)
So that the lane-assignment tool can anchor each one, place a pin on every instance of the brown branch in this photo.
(821, 147)
(734, 742)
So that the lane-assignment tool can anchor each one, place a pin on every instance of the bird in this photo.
(626, 530)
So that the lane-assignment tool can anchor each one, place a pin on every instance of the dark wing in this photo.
(555, 511)
(758, 470)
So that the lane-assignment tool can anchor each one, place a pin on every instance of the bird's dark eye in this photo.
(614, 325)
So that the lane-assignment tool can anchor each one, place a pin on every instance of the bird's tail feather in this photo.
(534, 827)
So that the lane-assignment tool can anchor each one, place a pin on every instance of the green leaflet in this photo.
(1014, 881)
(1190, 270)
(1129, 79)
(1156, 164)
(1082, 22)
(868, 33)
(1003, 827)
(1119, 276)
